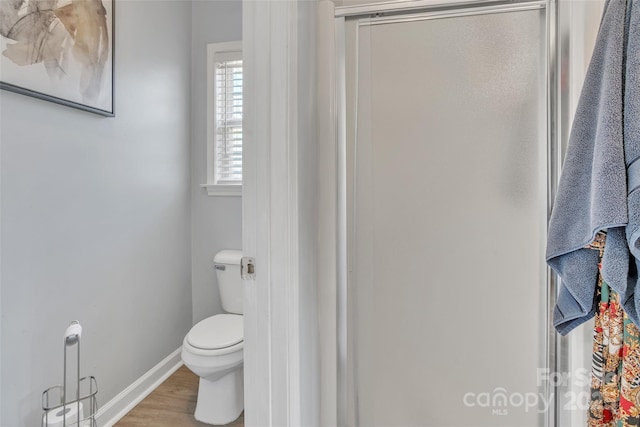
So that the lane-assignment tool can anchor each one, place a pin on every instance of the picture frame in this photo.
(60, 51)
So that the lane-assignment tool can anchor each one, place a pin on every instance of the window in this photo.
(224, 119)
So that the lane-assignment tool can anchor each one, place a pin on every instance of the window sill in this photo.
(223, 190)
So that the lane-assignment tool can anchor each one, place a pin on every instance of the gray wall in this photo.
(216, 222)
(95, 219)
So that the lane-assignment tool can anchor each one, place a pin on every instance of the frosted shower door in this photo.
(446, 219)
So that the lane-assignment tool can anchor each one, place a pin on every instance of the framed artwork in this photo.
(59, 51)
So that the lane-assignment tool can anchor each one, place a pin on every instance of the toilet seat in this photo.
(216, 332)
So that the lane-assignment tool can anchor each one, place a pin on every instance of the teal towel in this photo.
(592, 194)
(614, 271)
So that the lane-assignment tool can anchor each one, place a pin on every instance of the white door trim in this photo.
(328, 81)
(279, 127)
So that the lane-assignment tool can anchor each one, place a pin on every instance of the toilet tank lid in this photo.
(228, 256)
(219, 331)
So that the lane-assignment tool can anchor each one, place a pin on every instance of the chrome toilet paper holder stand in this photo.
(56, 401)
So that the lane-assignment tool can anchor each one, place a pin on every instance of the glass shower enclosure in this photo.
(448, 159)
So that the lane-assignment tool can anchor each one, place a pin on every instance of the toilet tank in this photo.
(227, 265)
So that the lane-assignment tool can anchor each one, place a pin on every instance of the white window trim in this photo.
(213, 189)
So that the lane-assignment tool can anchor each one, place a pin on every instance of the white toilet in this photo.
(213, 348)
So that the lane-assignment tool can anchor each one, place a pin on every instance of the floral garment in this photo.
(615, 373)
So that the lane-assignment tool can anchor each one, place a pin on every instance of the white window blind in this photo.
(228, 119)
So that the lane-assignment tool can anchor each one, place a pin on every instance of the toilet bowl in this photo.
(213, 349)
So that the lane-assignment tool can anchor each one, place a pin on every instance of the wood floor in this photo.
(170, 405)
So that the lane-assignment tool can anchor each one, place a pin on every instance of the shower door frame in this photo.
(555, 350)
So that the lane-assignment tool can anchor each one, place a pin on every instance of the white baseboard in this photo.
(119, 406)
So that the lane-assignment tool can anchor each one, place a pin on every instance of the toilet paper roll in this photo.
(67, 416)
(73, 333)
